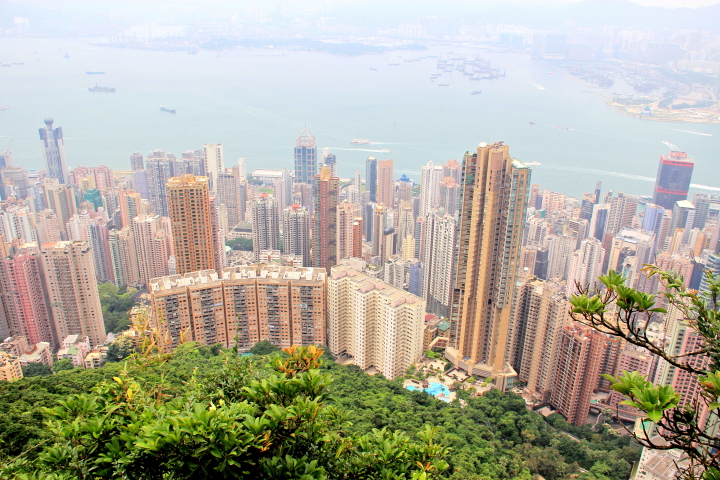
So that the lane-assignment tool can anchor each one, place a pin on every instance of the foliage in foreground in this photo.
(197, 414)
(626, 313)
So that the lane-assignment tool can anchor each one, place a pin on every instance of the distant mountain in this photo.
(615, 13)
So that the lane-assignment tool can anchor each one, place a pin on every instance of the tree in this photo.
(678, 418)
(264, 348)
(36, 370)
(243, 244)
(120, 349)
(62, 364)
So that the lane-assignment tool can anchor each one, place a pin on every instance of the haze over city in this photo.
(359, 239)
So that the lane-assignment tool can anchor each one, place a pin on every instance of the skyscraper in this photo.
(430, 177)
(137, 162)
(439, 261)
(157, 166)
(305, 158)
(296, 232)
(673, 179)
(325, 198)
(151, 247)
(585, 265)
(124, 259)
(54, 152)
(348, 215)
(192, 229)
(214, 163)
(72, 293)
(371, 177)
(386, 183)
(330, 160)
(265, 224)
(60, 199)
(495, 190)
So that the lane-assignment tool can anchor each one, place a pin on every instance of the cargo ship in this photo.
(361, 141)
(165, 109)
(94, 73)
(96, 88)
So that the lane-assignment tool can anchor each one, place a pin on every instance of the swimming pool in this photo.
(434, 389)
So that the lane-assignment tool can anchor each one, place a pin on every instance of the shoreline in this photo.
(619, 108)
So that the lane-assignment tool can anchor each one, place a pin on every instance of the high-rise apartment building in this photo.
(47, 227)
(430, 177)
(495, 190)
(325, 236)
(305, 158)
(60, 199)
(137, 162)
(296, 232)
(330, 160)
(405, 224)
(123, 257)
(585, 265)
(439, 261)
(347, 216)
(228, 197)
(192, 223)
(371, 173)
(98, 232)
(449, 195)
(53, 145)
(373, 323)
(560, 248)
(265, 224)
(157, 166)
(577, 367)
(631, 360)
(71, 290)
(673, 179)
(540, 312)
(151, 247)
(386, 183)
(245, 305)
(214, 164)
(23, 310)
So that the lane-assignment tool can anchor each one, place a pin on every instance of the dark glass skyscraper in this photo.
(673, 179)
(54, 150)
(305, 158)
(371, 177)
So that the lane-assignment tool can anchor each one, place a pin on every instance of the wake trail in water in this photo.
(694, 133)
(359, 150)
(536, 85)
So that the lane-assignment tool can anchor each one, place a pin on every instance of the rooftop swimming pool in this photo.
(437, 390)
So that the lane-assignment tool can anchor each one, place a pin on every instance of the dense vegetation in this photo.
(244, 244)
(205, 413)
(116, 303)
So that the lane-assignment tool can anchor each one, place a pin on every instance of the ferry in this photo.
(163, 108)
(3, 107)
(385, 150)
(375, 69)
(94, 73)
(476, 92)
(96, 88)
(361, 141)
(533, 123)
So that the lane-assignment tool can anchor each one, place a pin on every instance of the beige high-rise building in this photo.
(60, 198)
(192, 223)
(439, 261)
(372, 323)
(131, 205)
(491, 223)
(228, 195)
(214, 163)
(248, 304)
(122, 254)
(152, 247)
(47, 227)
(265, 224)
(386, 183)
(540, 312)
(296, 232)
(347, 214)
(585, 265)
(72, 293)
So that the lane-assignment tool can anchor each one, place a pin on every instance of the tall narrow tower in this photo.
(495, 190)
(673, 179)
(265, 224)
(371, 177)
(189, 205)
(305, 158)
(325, 199)
(296, 232)
(386, 183)
(54, 152)
(214, 164)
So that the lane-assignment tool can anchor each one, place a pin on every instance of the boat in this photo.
(88, 72)
(361, 141)
(97, 88)
(385, 150)
(5, 65)
(476, 92)
(443, 84)
(532, 164)
(393, 64)
(375, 69)
(533, 123)
(551, 73)
(3, 107)
(165, 109)
(562, 128)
